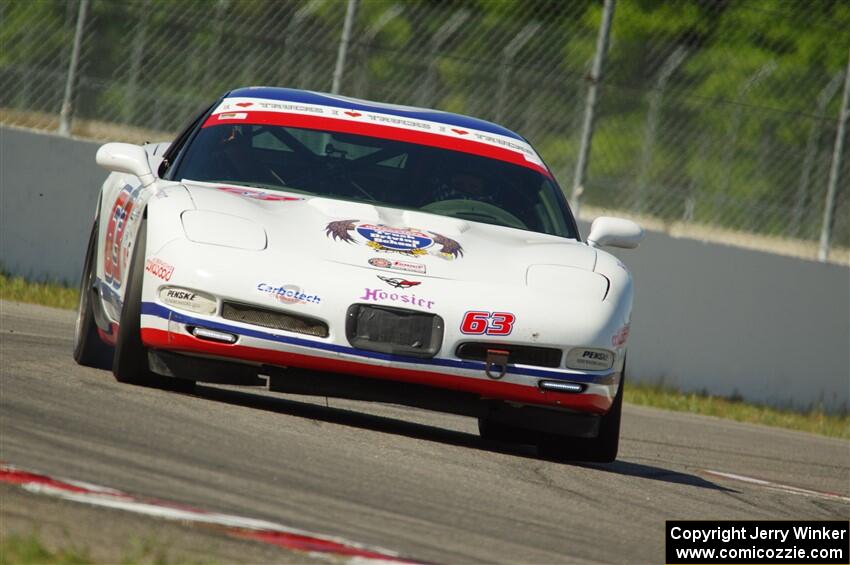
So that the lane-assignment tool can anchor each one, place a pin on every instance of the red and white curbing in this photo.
(236, 526)
(779, 486)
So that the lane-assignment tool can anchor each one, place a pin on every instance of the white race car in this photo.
(319, 244)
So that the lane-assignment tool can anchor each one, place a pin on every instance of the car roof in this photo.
(335, 100)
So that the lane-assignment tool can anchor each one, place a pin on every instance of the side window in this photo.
(170, 157)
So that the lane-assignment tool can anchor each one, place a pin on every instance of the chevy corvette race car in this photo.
(318, 244)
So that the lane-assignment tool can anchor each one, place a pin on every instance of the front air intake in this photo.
(517, 354)
(396, 331)
(274, 319)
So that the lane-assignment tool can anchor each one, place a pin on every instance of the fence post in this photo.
(667, 69)
(811, 150)
(590, 105)
(508, 54)
(292, 28)
(426, 94)
(136, 56)
(835, 170)
(65, 112)
(350, 12)
(365, 43)
(762, 73)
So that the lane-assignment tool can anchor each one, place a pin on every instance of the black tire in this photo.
(89, 349)
(601, 449)
(130, 363)
(502, 433)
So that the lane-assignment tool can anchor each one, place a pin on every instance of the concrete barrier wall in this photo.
(48, 191)
(707, 317)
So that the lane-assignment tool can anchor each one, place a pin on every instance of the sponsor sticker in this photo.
(619, 339)
(159, 268)
(380, 295)
(408, 241)
(233, 116)
(590, 359)
(257, 194)
(399, 283)
(116, 249)
(186, 299)
(397, 265)
(289, 294)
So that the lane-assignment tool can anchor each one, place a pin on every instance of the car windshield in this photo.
(379, 171)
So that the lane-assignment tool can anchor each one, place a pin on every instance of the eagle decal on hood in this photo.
(388, 239)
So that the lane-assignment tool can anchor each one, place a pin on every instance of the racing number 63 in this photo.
(478, 322)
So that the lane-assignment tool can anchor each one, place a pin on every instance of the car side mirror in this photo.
(125, 158)
(614, 232)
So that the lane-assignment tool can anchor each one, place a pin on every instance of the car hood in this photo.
(398, 243)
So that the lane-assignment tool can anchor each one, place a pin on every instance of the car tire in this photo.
(601, 449)
(89, 349)
(130, 363)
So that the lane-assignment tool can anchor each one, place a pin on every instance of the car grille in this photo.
(274, 319)
(394, 330)
(517, 354)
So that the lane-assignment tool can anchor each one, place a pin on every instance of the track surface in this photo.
(421, 483)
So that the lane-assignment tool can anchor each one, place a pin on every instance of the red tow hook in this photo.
(498, 358)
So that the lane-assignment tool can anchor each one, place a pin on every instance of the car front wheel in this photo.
(601, 449)
(130, 364)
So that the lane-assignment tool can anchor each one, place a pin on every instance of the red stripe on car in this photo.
(380, 131)
(593, 403)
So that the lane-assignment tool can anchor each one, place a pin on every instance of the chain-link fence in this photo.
(715, 119)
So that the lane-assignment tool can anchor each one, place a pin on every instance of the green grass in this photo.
(814, 421)
(28, 550)
(47, 294)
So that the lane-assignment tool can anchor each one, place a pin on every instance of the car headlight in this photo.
(187, 299)
(215, 228)
(590, 359)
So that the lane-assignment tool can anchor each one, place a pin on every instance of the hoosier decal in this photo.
(388, 239)
(378, 295)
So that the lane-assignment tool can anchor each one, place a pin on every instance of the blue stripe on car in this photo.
(154, 309)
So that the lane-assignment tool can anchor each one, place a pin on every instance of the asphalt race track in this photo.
(420, 483)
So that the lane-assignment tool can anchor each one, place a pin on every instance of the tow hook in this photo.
(499, 359)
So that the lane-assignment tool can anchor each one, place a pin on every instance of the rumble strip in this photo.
(272, 533)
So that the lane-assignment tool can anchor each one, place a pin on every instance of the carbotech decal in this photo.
(380, 295)
(387, 239)
(382, 263)
(159, 268)
(399, 283)
(257, 194)
(289, 294)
